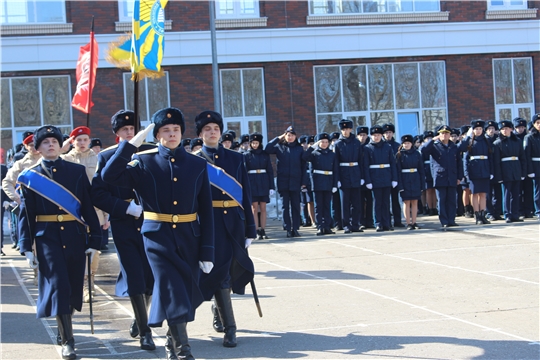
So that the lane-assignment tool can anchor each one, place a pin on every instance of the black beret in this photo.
(122, 118)
(244, 138)
(95, 142)
(290, 129)
(303, 139)
(520, 122)
(196, 142)
(323, 136)
(208, 117)
(256, 137)
(406, 138)
(491, 123)
(345, 124)
(429, 133)
(185, 142)
(444, 128)
(335, 135)
(311, 139)
(362, 130)
(376, 129)
(168, 116)
(506, 123)
(478, 123)
(389, 127)
(227, 137)
(47, 131)
(455, 131)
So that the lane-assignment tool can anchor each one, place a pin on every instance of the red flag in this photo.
(86, 76)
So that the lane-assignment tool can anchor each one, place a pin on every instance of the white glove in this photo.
(339, 184)
(272, 192)
(334, 189)
(369, 186)
(522, 178)
(490, 177)
(206, 266)
(362, 182)
(394, 184)
(531, 175)
(138, 139)
(92, 252)
(469, 132)
(500, 182)
(248, 242)
(134, 209)
(5, 204)
(32, 261)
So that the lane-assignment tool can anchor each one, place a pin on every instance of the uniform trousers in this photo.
(511, 202)
(322, 209)
(381, 203)
(336, 210)
(396, 207)
(350, 198)
(366, 204)
(290, 206)
(527, 197)
(493, 199)
(537, 195)
(447, 202)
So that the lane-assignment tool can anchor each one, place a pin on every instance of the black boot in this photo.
(66, 332)
(217, 324)
(180, 343)
(170, 352)
(133, 329)
(224, 304)
(469, 211)
(478, 218)
(145, 334)
(483, 217)
(263, 234)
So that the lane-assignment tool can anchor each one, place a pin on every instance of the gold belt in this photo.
(224, 203)
(55, 218)
(170, 218)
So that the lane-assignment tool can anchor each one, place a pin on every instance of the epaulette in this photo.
(109, 148)
(150, 151)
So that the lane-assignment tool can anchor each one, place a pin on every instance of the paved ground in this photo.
(468, 293)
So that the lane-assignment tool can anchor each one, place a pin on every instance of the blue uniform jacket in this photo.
(349, 150)
(135, 275)
(169, 182)
(446, 163)
(380, 153)
(512, 170)
(60, 246)
(260, 183)
(532, 150)
(232, 266)
(322, 160)
(410, 183)
(395, 145)
(477, 168)
(290, 166)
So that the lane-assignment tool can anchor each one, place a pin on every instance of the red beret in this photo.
(29, 139)
(81, 130)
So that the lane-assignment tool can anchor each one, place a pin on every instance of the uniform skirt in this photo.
(265, 199)
(479, 185)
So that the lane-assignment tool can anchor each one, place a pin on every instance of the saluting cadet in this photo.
(186, 144)
(447, 170)
(532, 154)
(494, 196)
(389, 131)
(349, 155)
(233, 222)
(178, 232)
(125, 215)
(306, 195)
(478, 168)
(430, 196)
(526, 207)
(196, 144)
(261, 180)
(325, 178)
(55, 200)
(381, 176)
(366, 197)
(290, 175)
(510, 169)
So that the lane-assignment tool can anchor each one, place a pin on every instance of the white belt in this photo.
(479, 157)
(427, 162)
(380, 166)
(535, 159)
(412, 170)
(322, 172)
(258, 171)
(510, 158)
(348, 164)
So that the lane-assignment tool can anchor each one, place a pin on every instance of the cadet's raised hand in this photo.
(66, 145)
(138, 139)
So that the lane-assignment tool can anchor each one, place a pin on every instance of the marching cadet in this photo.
(325, 179)
(430, 196)
(494, 196)
(135, 278)
(410, 169)
(366, 197)
(174, 192)
(348, 150)
(532, 153)
(261, 180)
(227, 140)
(196, 144)
(381, 176)
(186, 144)
(306, 195)
(510, 169)
(96, 145)
(526, 207)
(55, 194)
(233, 223)
(447, 170)
(389, 131)
(290, 175)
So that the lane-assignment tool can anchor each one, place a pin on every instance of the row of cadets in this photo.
(306, 195)
(261, 179)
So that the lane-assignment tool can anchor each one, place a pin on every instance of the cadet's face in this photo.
(96, 149)
(477, 131)
(49, 148)
(210, 134)
(324, 143)
(490, 131)
(388, 135)
(417, 143)
(187, 148)
(81, 142)
(346, 132)
(255, 144)
(169, 136)
(506, 131)
(362, 137)
(290, 137)
(407, 145)
(520, 129)
(376, 137)
(195, 148)
(454, 137)
(226, 144)
(245, 145)
(537, 125)
(126, 132)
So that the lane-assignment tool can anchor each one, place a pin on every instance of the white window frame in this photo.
(507, 5)
(123, 7)
(237, 10)
(4, 14)
(386, 5)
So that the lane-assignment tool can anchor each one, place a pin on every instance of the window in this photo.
(125, 10)
(30, 102)
(32, 11)
(410, 95)
(243, 100)
(507, 4)
(231, 9)
(326, 7)
(513, 83)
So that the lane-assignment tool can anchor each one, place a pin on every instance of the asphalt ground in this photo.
(471, 292)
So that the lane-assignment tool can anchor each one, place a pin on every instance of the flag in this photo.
(86, 75)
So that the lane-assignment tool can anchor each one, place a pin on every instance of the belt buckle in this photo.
(381, 166)
(258, 171)
(60, 218)
(351, 164)
(174, 219)
(411, 170)
(326, 172)
(482, 157)
(226, 203)
(514, 158)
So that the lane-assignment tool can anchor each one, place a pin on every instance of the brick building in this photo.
(416, 63)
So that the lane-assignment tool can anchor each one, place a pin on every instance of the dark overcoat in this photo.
(411, 182)
(349, 151)
(290, 166)
(260, 182)
(446, 162)
(376, 154)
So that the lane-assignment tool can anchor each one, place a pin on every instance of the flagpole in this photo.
(90, 85)
(136, 102)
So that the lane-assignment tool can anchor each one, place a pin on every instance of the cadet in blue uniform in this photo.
(526, 207)
(532, 153)
(410, 168)
(336, 198)
(306, 195)
(366, 197)
(55, 195)
(325, 179)
(430, 195)
(178, 232)
(135, 278)
(233, 222)
(349, 155)
(494, 195)
(447, 170)
(261, 180)
(389, 130)
(290, 175)
(227, 140)
(381, 175)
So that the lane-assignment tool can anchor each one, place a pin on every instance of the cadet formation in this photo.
(183, 212)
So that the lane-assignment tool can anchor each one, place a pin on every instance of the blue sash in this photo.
(225, 182)
(52, 191)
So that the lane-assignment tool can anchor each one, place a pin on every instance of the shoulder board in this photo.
(110, 148)
(151, 151)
